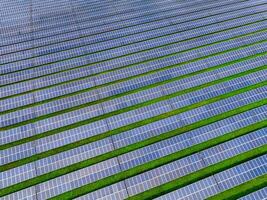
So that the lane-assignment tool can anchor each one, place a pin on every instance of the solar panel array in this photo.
(115, 100)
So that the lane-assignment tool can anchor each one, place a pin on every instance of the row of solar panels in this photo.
(216, 109)
(109, 105)
(118, 62)
(108, 65)
(159, 76)
(121, 140)
(155, 109)
(158, 24)
(158, 176)
(185, 88)
(109, 16)
(132, 39)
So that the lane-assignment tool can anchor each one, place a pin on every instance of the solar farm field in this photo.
(136, 100)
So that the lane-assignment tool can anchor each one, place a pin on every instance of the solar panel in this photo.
(201, 190)
(259, 194)
(104, 100)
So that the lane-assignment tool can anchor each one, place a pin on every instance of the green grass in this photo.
(180, 154)
(139, 105)
(149, 141)
(132, 147)
(181, 41)
(130, 44)
(153, 71)
(95, 138)
(141, 62)
(131, 126)
(188, 179)
(233, 193)
(242, 190)
(132, 91)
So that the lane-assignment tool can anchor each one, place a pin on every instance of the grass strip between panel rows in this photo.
(173, 185)
(140, 62)
(138, 145)
(127, 45)
(145, 121)
(72, 145)
(134, 106)
(134, 64)
(242, 189)
(190, 178)
(144, 87)
(180, 154)
(172, 24)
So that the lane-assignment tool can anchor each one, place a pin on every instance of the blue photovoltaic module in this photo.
(134, 100)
